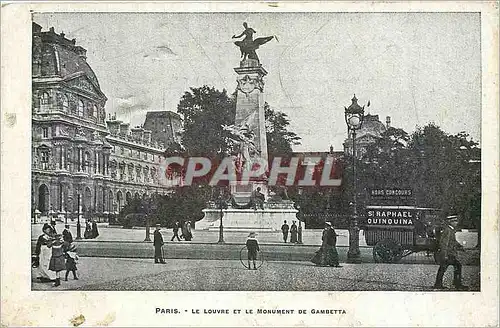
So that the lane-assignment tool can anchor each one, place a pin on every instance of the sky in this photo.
(415, 67)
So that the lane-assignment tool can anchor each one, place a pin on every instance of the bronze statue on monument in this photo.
(248, 45)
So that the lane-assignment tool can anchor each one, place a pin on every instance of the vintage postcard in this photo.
(250, 164)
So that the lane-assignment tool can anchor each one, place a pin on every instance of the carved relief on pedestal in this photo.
(247, 83)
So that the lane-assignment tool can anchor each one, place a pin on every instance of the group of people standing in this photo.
(294, 232)
(91, 231)
(54, 253)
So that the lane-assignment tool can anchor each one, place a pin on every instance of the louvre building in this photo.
(80, 156)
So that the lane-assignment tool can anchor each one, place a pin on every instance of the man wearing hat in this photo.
(158, 243)
(447, 255)
(67, 236)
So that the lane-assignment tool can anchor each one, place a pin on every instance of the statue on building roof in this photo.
(248, 45)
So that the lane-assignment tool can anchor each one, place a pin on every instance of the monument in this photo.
(249, 205)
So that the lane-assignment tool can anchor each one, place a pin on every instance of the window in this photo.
(45, 132)
(45, 159)
(94, 111)
(65, 104)
(145, 156)
(80, 108)
(45, 99)
(122, 151)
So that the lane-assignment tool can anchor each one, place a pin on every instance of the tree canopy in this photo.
(442, 169)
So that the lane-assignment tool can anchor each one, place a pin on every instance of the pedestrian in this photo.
(158, 244)
(53, 225)
(186, 231)
(284, 230)
(57, 263)
(67, 236)
(95, 231)
(252, 247)
(447, 255)
(330, 256)
(71, 261)
(88, 230)
(293, 232)
(175, 230)
(43, 254)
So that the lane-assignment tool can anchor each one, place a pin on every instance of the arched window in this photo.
(65, 103)
(80, 108)
(86, 162)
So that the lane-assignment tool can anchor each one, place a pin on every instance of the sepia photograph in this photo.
(209, 150)
(141, 134)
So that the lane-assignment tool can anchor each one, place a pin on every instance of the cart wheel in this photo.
(387, 251)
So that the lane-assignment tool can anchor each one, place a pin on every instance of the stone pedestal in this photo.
(268, 219)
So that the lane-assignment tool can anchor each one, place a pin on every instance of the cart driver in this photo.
(447, 255)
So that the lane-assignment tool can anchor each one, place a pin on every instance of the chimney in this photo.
(52, 30)
(147, 136)
(113, 126)
(137, 133)
(124, 129)
(388, 121)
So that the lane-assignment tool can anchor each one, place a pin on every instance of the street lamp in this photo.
(146, 202)
(354, 116)
(78, 226)
(299, 230)
(222, 205)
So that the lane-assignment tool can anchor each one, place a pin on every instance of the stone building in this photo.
(371, 130)
(164, 126)
(79, 157)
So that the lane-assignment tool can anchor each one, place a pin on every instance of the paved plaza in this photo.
(182, 274)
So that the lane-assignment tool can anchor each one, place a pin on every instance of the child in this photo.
(71, 261)
(56, 263)
(253, 248)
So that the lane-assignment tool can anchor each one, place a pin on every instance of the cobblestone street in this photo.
(180, 274)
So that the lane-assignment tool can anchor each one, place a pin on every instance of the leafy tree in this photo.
(440, 168)
(279, 138)
(204, 111)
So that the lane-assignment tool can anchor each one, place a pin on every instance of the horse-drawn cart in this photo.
(398, 231)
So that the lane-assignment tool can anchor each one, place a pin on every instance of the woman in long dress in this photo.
(44, 253)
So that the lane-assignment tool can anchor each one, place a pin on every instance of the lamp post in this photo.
(299, 230)
(78, 226)
(354, 116)
(144, 202)
(221, 227)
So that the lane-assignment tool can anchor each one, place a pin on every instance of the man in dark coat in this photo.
(175, 230)
(158, 243)
(67, 236)
(284, 230)
(447, 255)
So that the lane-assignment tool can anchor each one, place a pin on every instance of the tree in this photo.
(279, 138)
(441, 169)
(205, 110)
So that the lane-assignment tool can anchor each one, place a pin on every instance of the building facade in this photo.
(82, 162)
